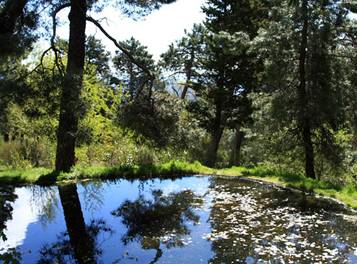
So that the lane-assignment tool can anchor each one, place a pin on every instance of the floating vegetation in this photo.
(254, 221)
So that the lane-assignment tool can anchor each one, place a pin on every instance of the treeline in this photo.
(258, 81)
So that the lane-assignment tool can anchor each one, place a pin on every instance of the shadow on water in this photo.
(47, 179)
(161, 220)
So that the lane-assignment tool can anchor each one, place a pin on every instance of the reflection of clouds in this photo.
(22, 217)
(198, 185)
(171, 187)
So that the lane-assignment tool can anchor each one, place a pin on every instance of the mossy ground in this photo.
(346, 194)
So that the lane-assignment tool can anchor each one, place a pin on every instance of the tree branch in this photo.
(52, 40)
(122, 49)
(53, 37)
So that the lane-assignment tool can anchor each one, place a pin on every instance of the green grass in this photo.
(46, 176)
(22, 176)
(346, 194)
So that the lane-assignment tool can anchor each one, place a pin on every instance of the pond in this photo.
(188, 220)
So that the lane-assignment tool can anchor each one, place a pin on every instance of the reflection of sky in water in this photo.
(238, 223)
(22, 217)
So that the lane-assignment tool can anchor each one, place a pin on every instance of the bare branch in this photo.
(53, 37)
(122, 49)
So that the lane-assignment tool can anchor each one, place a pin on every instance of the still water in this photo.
(187, 220)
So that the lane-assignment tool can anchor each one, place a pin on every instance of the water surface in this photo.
(188, 220)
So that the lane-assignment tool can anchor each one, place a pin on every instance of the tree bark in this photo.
(237, 143)
(188, 74)
(6, 137)
(304, 119)
(72, 85)
(81, 242)
(216, 135)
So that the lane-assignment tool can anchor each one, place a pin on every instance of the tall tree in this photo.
(229, 69)
(134, 80)
(72, 85)
(18, 22)
(304, 120)
(70, 100)
(181, 60)
(300, 55)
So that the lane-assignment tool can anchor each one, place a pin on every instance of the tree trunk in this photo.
(6, 137)
(213, 147)
(304, 119)
(216, 135)
(237, 143)
(72, 85)
(188, 74)
(81, 242)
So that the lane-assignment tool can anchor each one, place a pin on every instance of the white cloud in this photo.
(156, 31)
(22, 217)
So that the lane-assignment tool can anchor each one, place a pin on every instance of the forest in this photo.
(251, 113)
(258, 83)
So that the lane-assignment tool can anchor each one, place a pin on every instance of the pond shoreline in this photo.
(176, 169)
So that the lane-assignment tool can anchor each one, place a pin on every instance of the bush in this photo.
(11, 155)
(27, 153)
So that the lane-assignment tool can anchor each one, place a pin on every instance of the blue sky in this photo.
(156, 31)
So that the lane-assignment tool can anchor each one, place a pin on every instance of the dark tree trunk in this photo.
(216, 134)
(188, 74)
(213, 147)
(81, 242)
(237, 143)
(6, 137)
(72, 85)
(304, 119)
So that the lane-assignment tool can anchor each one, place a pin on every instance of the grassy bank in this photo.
(346, 194)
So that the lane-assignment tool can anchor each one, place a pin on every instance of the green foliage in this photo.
(156, 119)
(236, 73)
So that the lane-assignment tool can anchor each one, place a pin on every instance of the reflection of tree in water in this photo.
(161, 220)
(11, 256)
(93, 195)
(45, 201)
(62, 251)
(79, 243)
(7, 197)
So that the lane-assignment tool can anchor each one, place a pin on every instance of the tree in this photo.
(72, 82)
(309, 87)
(229, 70)
(72, 85)
(220, 89)
(303, 119)
(134, 80)
(18, 23)
(182, 57)
(96, 55)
